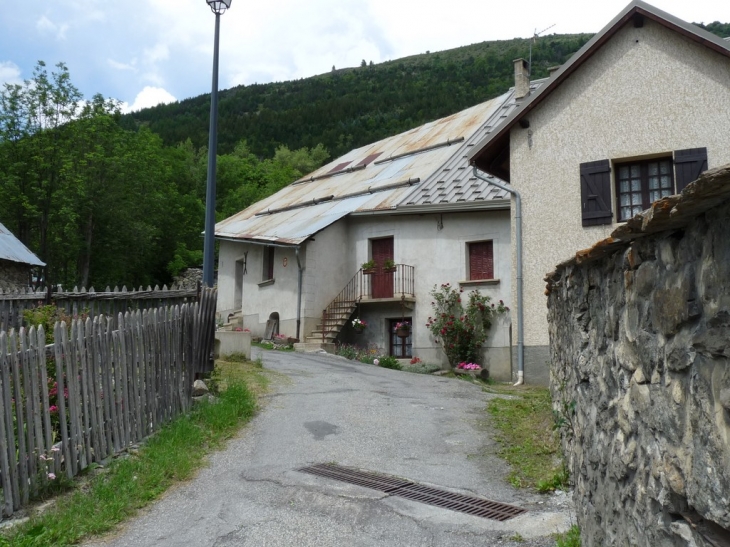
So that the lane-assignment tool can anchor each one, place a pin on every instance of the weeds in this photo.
(390, 362)
(529, 443)
(571, 538)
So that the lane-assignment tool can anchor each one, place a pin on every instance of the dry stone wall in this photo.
(640, 373)
(13, 275)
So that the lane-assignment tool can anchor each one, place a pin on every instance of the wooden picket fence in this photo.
(109, 302)
(116, 382)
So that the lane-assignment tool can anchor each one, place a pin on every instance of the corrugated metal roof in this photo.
(454, 182)
(12, 249)
(419, 157)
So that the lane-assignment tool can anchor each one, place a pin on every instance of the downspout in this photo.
(518, 238)
(299, 292)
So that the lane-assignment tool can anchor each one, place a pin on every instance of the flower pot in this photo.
(402, 332)
(369, 271)
(389, 270)
(359, 330)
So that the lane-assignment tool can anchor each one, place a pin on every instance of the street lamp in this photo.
(218, 7)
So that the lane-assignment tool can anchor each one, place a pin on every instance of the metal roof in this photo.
(13, 250)
(455, 182)
(477, 155)
(386, 176)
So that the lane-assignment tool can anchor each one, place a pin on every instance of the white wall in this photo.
(439, 255)
(436, 245)
(259, 300)
(647, 91)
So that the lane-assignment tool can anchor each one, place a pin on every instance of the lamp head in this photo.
(219, 6)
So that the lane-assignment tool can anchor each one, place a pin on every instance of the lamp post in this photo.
(218, 7)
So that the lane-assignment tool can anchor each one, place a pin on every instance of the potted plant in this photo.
(368, 267)
(402, 329)
(359, 325)
(389, 266)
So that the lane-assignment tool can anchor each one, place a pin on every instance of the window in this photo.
(481, 260)
(639, 184)
(636, 184)
(268, 272)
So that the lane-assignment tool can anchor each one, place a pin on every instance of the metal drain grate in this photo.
(383, 483)
(394, 486)
(458, 502)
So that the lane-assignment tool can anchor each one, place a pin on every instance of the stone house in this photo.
(16, 261)
(293, 261)
(635, 115)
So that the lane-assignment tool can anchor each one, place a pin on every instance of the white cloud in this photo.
(122, 66)
(9, 73)
(149, 96)
(44, 24)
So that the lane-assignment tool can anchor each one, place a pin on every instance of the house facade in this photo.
(292, 263)
(16, 261)
(638, 113)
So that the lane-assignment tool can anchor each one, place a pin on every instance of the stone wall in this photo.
(640, 373)
(13, 275)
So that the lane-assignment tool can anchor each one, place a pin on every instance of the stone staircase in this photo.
(338, 314)
(334, 317)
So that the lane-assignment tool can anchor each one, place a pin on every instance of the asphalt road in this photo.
(326, 409)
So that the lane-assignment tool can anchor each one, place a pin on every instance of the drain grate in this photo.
(383, 483)
(394, 486)
(458, 502)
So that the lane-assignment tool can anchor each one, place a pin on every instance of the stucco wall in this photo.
(647, 91)
(260, 301)
(436, 245)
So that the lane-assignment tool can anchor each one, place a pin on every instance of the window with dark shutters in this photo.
(688, 165)
(595, 193)
(481, 260)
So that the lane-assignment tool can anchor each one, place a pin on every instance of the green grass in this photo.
(529, 442)
(272, 346)
(571, 538)
(131, 482)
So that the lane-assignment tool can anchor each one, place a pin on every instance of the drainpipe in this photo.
(299, 292)
(518, 238)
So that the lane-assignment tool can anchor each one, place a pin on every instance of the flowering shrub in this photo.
(415, 361)
(468, 366)
(461, 330)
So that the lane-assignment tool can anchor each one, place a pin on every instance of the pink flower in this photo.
(53, 409)
(51, 476)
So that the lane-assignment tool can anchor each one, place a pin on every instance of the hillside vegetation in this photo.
(111, 199)
(351, 107)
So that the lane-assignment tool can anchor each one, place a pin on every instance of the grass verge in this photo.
(172, 455)
(529, 442)
(571, 538)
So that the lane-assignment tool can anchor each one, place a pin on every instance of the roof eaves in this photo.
(559, 76)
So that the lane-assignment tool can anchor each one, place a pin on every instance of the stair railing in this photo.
(350, 294)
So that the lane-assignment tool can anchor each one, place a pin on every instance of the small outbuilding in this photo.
(16, 262)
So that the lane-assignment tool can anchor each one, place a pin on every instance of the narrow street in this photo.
(324, 409)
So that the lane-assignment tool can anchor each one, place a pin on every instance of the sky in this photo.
(145, 52)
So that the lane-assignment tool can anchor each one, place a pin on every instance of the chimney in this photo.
(522, 79)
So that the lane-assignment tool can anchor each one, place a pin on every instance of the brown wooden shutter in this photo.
(688, 165)
(481, 260)
(595, 193)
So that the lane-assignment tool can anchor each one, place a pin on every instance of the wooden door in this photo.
(382, 250)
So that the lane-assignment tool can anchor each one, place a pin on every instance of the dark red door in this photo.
(382, 250)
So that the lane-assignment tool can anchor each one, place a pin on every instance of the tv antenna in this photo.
(534, 38)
